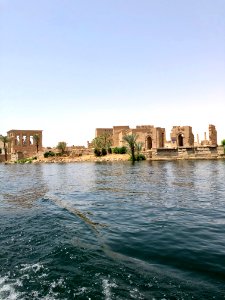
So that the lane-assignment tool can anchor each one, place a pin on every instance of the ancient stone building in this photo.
(155, 137)
(148, 135)
(23, 142)
(182, 136)
(212, 140)
(212, 135)
(101, 131)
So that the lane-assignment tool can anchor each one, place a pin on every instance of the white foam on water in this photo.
(29, 267)
(107, 288)
(7, 289)
(81, 291)
(136, 294)
(2, 280)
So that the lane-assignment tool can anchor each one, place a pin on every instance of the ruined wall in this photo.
(212, 135)
(101, 131)
(118, 133)
(23, 141)
(182, 136)
(155, 137)
(148, 135)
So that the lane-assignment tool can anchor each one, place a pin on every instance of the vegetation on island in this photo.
(102, 144)
(134, 147)
(120, 150)
(62, 147)
(223, 144)
(49, 154)
(28, 160)
(5, 140)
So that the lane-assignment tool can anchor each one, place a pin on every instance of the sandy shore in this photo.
(110, 158)
(84, 158)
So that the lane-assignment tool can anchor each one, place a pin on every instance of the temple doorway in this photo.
(163, 140)
(180, 140)
(149, 143)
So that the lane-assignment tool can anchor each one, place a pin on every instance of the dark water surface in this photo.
(153, 230)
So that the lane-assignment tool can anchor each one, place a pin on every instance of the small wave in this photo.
(31, 267)
(8, 288)
(136, 294)
(107, 286)
(76, 212)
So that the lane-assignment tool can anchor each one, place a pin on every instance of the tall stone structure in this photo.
(155, 137)
(151, 137)
(22, 141)
(182, 136)
(101, 131)
(118, 133)
(212, 135)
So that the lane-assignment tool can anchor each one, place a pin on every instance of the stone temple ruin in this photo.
(22, 143)
(182, 144)
(150, 136)
(154, 142)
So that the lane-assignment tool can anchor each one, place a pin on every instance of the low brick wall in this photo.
(186, 153)
(165, 153)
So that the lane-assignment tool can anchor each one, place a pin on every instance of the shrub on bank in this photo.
(24, 160)
(104, 152)
(110, 150)
(223, 144)
(49, 154)
(140, 157)
(97, 152)
(120, 150)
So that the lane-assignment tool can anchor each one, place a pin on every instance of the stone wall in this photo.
(118, 133)
(101, 131)
(182, 136)
(23, 141)
(185, 153)
(212, 135)
(148, 135)
(155, 137)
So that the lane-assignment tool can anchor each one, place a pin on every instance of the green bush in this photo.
(24, 160)
(120, 150)
(123, 150)
(97, 152)
(104, 152)
(140, 157)
(115, 150)
(49, 154)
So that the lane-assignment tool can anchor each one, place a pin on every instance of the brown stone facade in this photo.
(22, 141)
(155, 137)
(182, 136)
(212, 135)
(150, 136)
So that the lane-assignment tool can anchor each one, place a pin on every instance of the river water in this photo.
(152, 230)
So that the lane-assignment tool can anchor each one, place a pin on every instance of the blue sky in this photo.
(67, 67)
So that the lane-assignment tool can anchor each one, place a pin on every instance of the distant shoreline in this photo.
(111, 158)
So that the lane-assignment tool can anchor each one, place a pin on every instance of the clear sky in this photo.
(69, 66)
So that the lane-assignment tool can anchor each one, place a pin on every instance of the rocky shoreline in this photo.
(84, 158)
(108, 158)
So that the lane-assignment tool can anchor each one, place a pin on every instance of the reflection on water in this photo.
(26, 197)
(152, 230)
